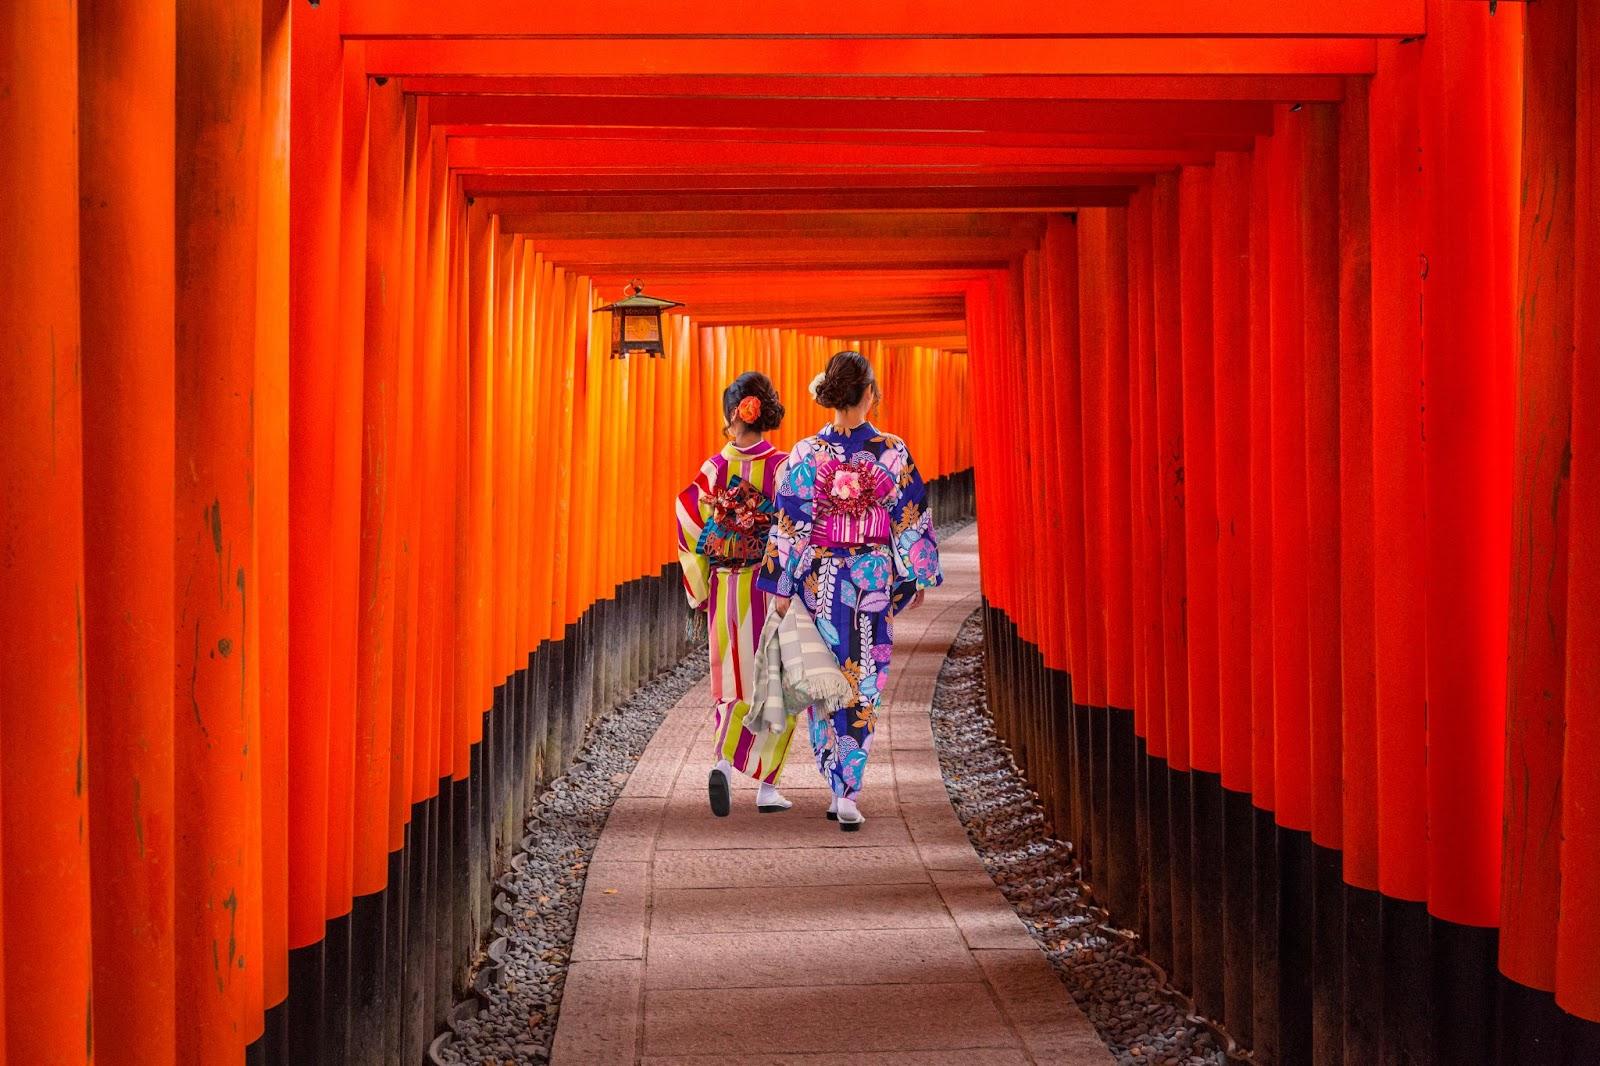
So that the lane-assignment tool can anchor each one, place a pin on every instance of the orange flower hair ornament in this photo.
(749, 410)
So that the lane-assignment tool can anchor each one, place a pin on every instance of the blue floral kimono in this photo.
(854, 540)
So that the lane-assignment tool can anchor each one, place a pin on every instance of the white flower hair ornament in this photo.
(816, 386)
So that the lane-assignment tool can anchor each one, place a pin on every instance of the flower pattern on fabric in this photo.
(852, 585)
(870, 573)
(736, 533)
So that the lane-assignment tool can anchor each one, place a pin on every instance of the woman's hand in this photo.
(913, 603)
(781, 605)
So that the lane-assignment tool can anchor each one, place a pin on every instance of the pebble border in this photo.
(1140, 1018)
(510, 1019)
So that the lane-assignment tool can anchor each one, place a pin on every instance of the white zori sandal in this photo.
(770, 801)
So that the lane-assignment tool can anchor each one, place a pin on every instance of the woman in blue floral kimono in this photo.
(854, 539)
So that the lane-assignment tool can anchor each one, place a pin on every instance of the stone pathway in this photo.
(778, 939)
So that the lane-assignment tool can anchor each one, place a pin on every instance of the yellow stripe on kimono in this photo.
(719, 550)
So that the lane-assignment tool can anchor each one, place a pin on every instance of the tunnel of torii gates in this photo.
(1267, 333)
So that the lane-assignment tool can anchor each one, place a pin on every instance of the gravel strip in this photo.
(518, 1026)
(1133, 1011)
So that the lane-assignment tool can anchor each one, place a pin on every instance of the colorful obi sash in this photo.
(849, 504)
(735, 535)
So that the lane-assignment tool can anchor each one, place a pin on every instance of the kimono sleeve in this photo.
(916, 546)
(781, 570)
(694, 510)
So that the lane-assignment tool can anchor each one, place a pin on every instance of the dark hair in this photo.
(754, 383)
(846, 380)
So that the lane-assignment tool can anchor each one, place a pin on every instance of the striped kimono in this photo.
(736, 611)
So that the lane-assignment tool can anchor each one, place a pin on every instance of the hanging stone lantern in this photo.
(636, 321)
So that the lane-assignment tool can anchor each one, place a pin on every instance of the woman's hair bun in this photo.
(753, 383)
(846, 380)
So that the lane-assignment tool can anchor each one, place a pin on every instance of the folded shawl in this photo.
(795, 669)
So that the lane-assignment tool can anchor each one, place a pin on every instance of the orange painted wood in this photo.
(1577, 989)
(1398, 524)
(1047, 624)
(1120, 469)
(1230, 317)
(1289, 610)
(980, 121)
(1149, 661)
(1319, 220)
(413, 254)
(1062, 342)
(126, 120)
(1541, 440)
(566, 155)
(44, 849)
(1468, 237)
(344, 545)
(1166, 420)
(1089, 678)
(1200, 461)
(373, 702)
(314, 137)
(1263, 749)
(853, 55)
(217, 749)
(1285, 87)
(272, 449)
(1253, 18)
(1358, 550)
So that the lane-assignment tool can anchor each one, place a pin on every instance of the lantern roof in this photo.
(640, 302)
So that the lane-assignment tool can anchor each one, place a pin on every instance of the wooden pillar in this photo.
(1061, 296)
(314, 130)
(1398, 524)
(1120, 468)
(44, 849)
(1200, 461)
(1357, 556)
(271, 603)
(1468, 234)
(1168, 423)
(217, 743)
(1263, 774)
(1577, 986)
(1093, 268)
(126, 157)
(1230, 317)
(374, 703)
(1289, 517)
(1530, 877)
(1167, 416)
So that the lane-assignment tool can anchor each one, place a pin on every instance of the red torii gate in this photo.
(242, 251)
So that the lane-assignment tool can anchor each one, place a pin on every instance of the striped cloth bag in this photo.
(795, 669)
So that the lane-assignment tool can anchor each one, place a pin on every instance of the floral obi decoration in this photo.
(849, 504)
(735, 536)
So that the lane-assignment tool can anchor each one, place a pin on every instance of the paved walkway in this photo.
(778, 939)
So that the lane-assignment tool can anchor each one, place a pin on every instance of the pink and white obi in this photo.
(850, 504)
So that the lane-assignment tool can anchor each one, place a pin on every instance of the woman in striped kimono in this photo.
(723, 519)
(854, 539)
